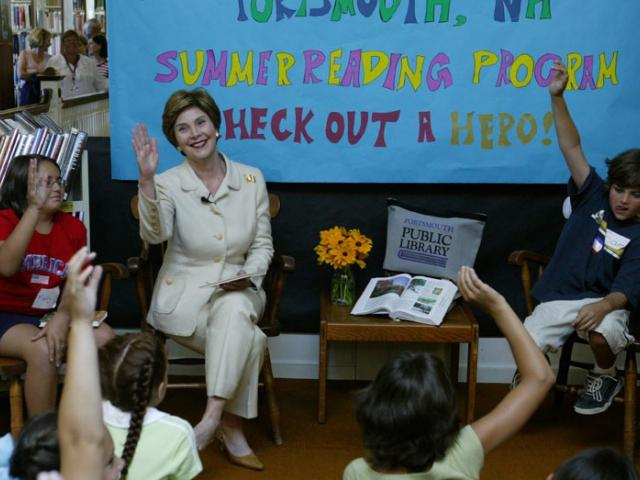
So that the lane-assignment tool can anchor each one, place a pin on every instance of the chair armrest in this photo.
(116, 270)
(519, 257)
(280, 266)
(289, 263)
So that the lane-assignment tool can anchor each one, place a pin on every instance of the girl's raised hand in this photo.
(146, 151)
(476, 292)
(560, 79)
(83, 280)
(37, 189)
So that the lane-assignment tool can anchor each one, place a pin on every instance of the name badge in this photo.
(40, 279)
(614, 243)
(47, 298)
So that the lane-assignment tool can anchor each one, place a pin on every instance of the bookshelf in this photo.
(25, 133)
(49, 15)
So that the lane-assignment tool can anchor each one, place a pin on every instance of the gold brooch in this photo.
(250, 178)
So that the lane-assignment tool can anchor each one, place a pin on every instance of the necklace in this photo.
(72, 69)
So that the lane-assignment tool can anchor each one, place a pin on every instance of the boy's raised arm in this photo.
(568, 136)
(518, 405)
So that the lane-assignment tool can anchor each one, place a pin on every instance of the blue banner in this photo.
(380, 91)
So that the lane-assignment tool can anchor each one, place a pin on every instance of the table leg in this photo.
(455, 363)
(472, 378)
(322, 376)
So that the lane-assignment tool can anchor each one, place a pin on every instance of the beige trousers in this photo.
(233, 347)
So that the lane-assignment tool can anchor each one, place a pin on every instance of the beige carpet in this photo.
(315, 451)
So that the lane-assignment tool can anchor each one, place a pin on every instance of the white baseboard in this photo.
(296, 356)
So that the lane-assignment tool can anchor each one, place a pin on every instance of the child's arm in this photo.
(590, 316)
(13, 248)
(518, 405)
(81, 431)
(568, 136)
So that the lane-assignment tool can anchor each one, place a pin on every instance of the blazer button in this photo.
(168, 280)
(217, 259)
(219, 236)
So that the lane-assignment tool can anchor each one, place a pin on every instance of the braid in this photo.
(141, 397)
(132, 367)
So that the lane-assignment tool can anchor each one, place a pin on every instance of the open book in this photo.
(403, 297)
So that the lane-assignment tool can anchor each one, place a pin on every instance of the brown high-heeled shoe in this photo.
(250, 461)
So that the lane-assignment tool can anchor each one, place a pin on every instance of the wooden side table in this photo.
(459, 326)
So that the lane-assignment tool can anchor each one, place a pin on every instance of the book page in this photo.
(232, 279)
(426, 300)
(381, 294)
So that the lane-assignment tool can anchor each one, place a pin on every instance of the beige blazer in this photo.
(206, 242)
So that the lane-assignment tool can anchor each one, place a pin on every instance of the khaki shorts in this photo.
(551, 323)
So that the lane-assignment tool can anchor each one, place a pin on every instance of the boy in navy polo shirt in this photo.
(593, 278)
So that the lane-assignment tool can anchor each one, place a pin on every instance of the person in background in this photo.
(81, 74)
(31, 63)
(91, 28)
(98, 50)
(596, 464)
(36, 242)
(214, 215)
(152, 443)
(37, 448)
(84, 45)
(409, 416)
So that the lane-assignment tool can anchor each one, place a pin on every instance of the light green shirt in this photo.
(166, 449)
(463, 461)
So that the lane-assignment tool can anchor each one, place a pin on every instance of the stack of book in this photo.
(27, 134)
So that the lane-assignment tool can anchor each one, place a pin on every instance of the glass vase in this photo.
(343, 287)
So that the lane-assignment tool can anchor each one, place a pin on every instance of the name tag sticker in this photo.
(47, 298)
(40, 279)
(614, 243)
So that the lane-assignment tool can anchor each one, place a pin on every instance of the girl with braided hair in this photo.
(152, 443)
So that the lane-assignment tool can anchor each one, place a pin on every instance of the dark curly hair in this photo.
(132, 367)
(38, 448)
(597, 464)
(13, 193)
(408, 415)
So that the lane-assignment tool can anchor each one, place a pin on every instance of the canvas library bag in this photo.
(434, 245)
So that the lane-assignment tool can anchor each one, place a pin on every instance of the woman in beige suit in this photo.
(214, 215)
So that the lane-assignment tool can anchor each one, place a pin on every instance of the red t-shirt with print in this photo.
(44, 265)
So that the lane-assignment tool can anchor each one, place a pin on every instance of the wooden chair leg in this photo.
(630, 379)
(563, 369)
(272, 404)
(16, 405)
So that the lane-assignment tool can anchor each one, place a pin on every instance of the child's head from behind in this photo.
(596, 464)
(37, 449)
(133, 371)
(623, 182)
(132, 368)
(408, 414)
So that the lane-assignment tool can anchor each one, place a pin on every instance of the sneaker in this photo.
(598, 394)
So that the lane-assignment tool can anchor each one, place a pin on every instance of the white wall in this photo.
(296, 356)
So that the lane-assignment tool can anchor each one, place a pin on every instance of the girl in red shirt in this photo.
(36, 241)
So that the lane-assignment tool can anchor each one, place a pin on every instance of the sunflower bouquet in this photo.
(340, 248)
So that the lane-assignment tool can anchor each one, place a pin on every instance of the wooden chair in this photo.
(145, 267)
(14, 368)
(531, 267)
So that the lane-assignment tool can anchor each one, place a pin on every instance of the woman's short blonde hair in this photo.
(38, 37)
(181, 100)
